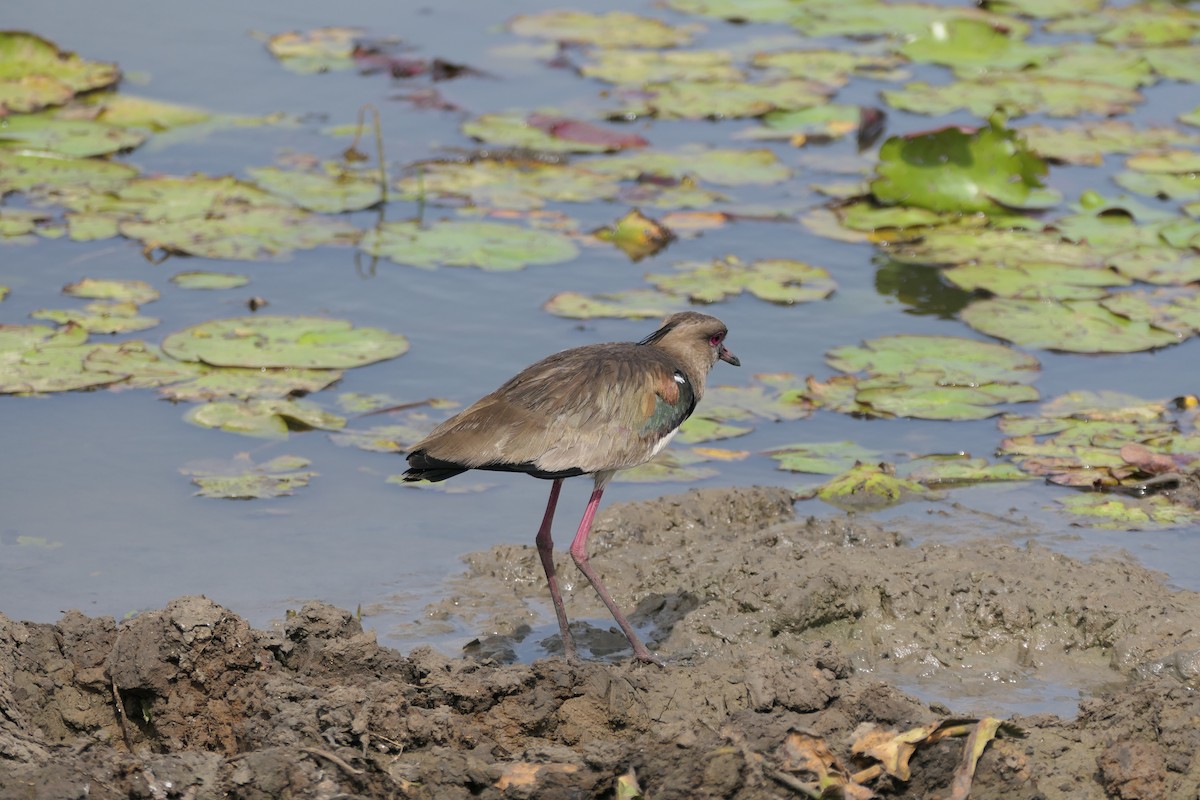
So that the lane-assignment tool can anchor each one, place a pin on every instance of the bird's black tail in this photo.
(424, 467)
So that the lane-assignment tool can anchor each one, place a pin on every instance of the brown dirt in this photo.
(774, 628)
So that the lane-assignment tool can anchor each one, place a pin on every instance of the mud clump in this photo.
(774, 629)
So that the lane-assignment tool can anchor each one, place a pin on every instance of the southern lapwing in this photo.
(591, 410)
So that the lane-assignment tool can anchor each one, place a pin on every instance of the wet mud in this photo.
(783, 636)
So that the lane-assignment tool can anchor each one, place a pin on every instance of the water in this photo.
(96, 514)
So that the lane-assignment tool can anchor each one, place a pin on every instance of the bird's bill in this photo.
(728, 357)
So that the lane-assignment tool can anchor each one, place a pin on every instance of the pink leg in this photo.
(579, 553)
(545, 546)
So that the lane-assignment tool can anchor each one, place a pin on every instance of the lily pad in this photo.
(633, 304)
(973, 47)
(703, 428)
(265, 419)
(958, 469)
(1073, 326)
(70, 137)
(250, 235)
(821, 123)
(776, 280)
(200, 279)
(822, 458)
(492, 246)
(34, 73)
(870, 487)
(510, 184)
(685, 99)
(635, 67)
(828, 67)
(724, 167)
(168, 198)
(130, 111)
(1036, 281)
(140, 365)
(953, 360)
(217, 383)
(333, 190)
(985, 170)
(318, 50)
(37, 358)
(614, 29)
(1175, 310)
(1128, 513)
(636, 235)
(277, 341)
(133, 291)
(100, 317)
(1089, 142)
(542, 132)
(1016, 94)
(50, 176)
(241, 479)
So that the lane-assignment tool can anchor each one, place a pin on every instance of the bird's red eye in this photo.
(715, 339)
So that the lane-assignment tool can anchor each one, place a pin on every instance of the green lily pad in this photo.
(703, 428)
(953, 360)
(738, 10)
(775, 397)
(137, 292)
(828, 67)
(381, 438)
(129, 111)
(241, 479)
(819, 124)
(37, 358)
(865, 215)
(973, 47)
(141, 365)
(217, 383)
(1168, 186)
(541, 132)
(1089, 142)
(1045, 9)
(1174, 62)
(958, 469)
(20, 222)
(1175, 310)
(633, 304)
(265, 419)
(919, 396)
(277, 341)
(86, 227)
(1128, 513)
(635, 67)
(1092, 61)
(318, 50)
(1073, 326)
(168, 198)
(250, 235)
(100, 317)
(870, 487)
(822, 458)
(1036, 281)
(670, 466)
(70, 137)
(518, 185)
(1137, 24)
(955, 245)
(332, 191)
(724, 167)
(200, 279)
(614, 29)
(636, 235)
(1017, 94)
(47, 175)
(688, 99)
(877, 18)
(985, 170)
(776, 280)
(34, 73)
(492, 246)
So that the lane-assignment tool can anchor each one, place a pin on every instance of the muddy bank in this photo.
(772, 625)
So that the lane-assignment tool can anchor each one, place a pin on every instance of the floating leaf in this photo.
(703, 428)
(821, 123)
(1089, 142)
(870, 487)
(684, 99)
(635, 67)
(249, 235)
(636, 235)
(100, 317)
(1016, 94)
(199, 279)
(70, 137)
(333, 190)
(141, 365)
(129, 111)
(547, 133)
(614, 29)
(1073, 326)
(955, 361)
(34, 73)
(1036, 281)
(318, 50)
(511, 184)
(122, 291)
(828, 67)
(821, 458)
(37, 358)
(46, 175)
(492, 246)
(241, 479)
(277, 341)
(167, 198)
(984, 170)
(958, 469)
(218, 383)
(776, 280)
(973, 47)
(267, 419)
(724, 167)
(1176, 310)
(634, 304)
(1128, 513)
